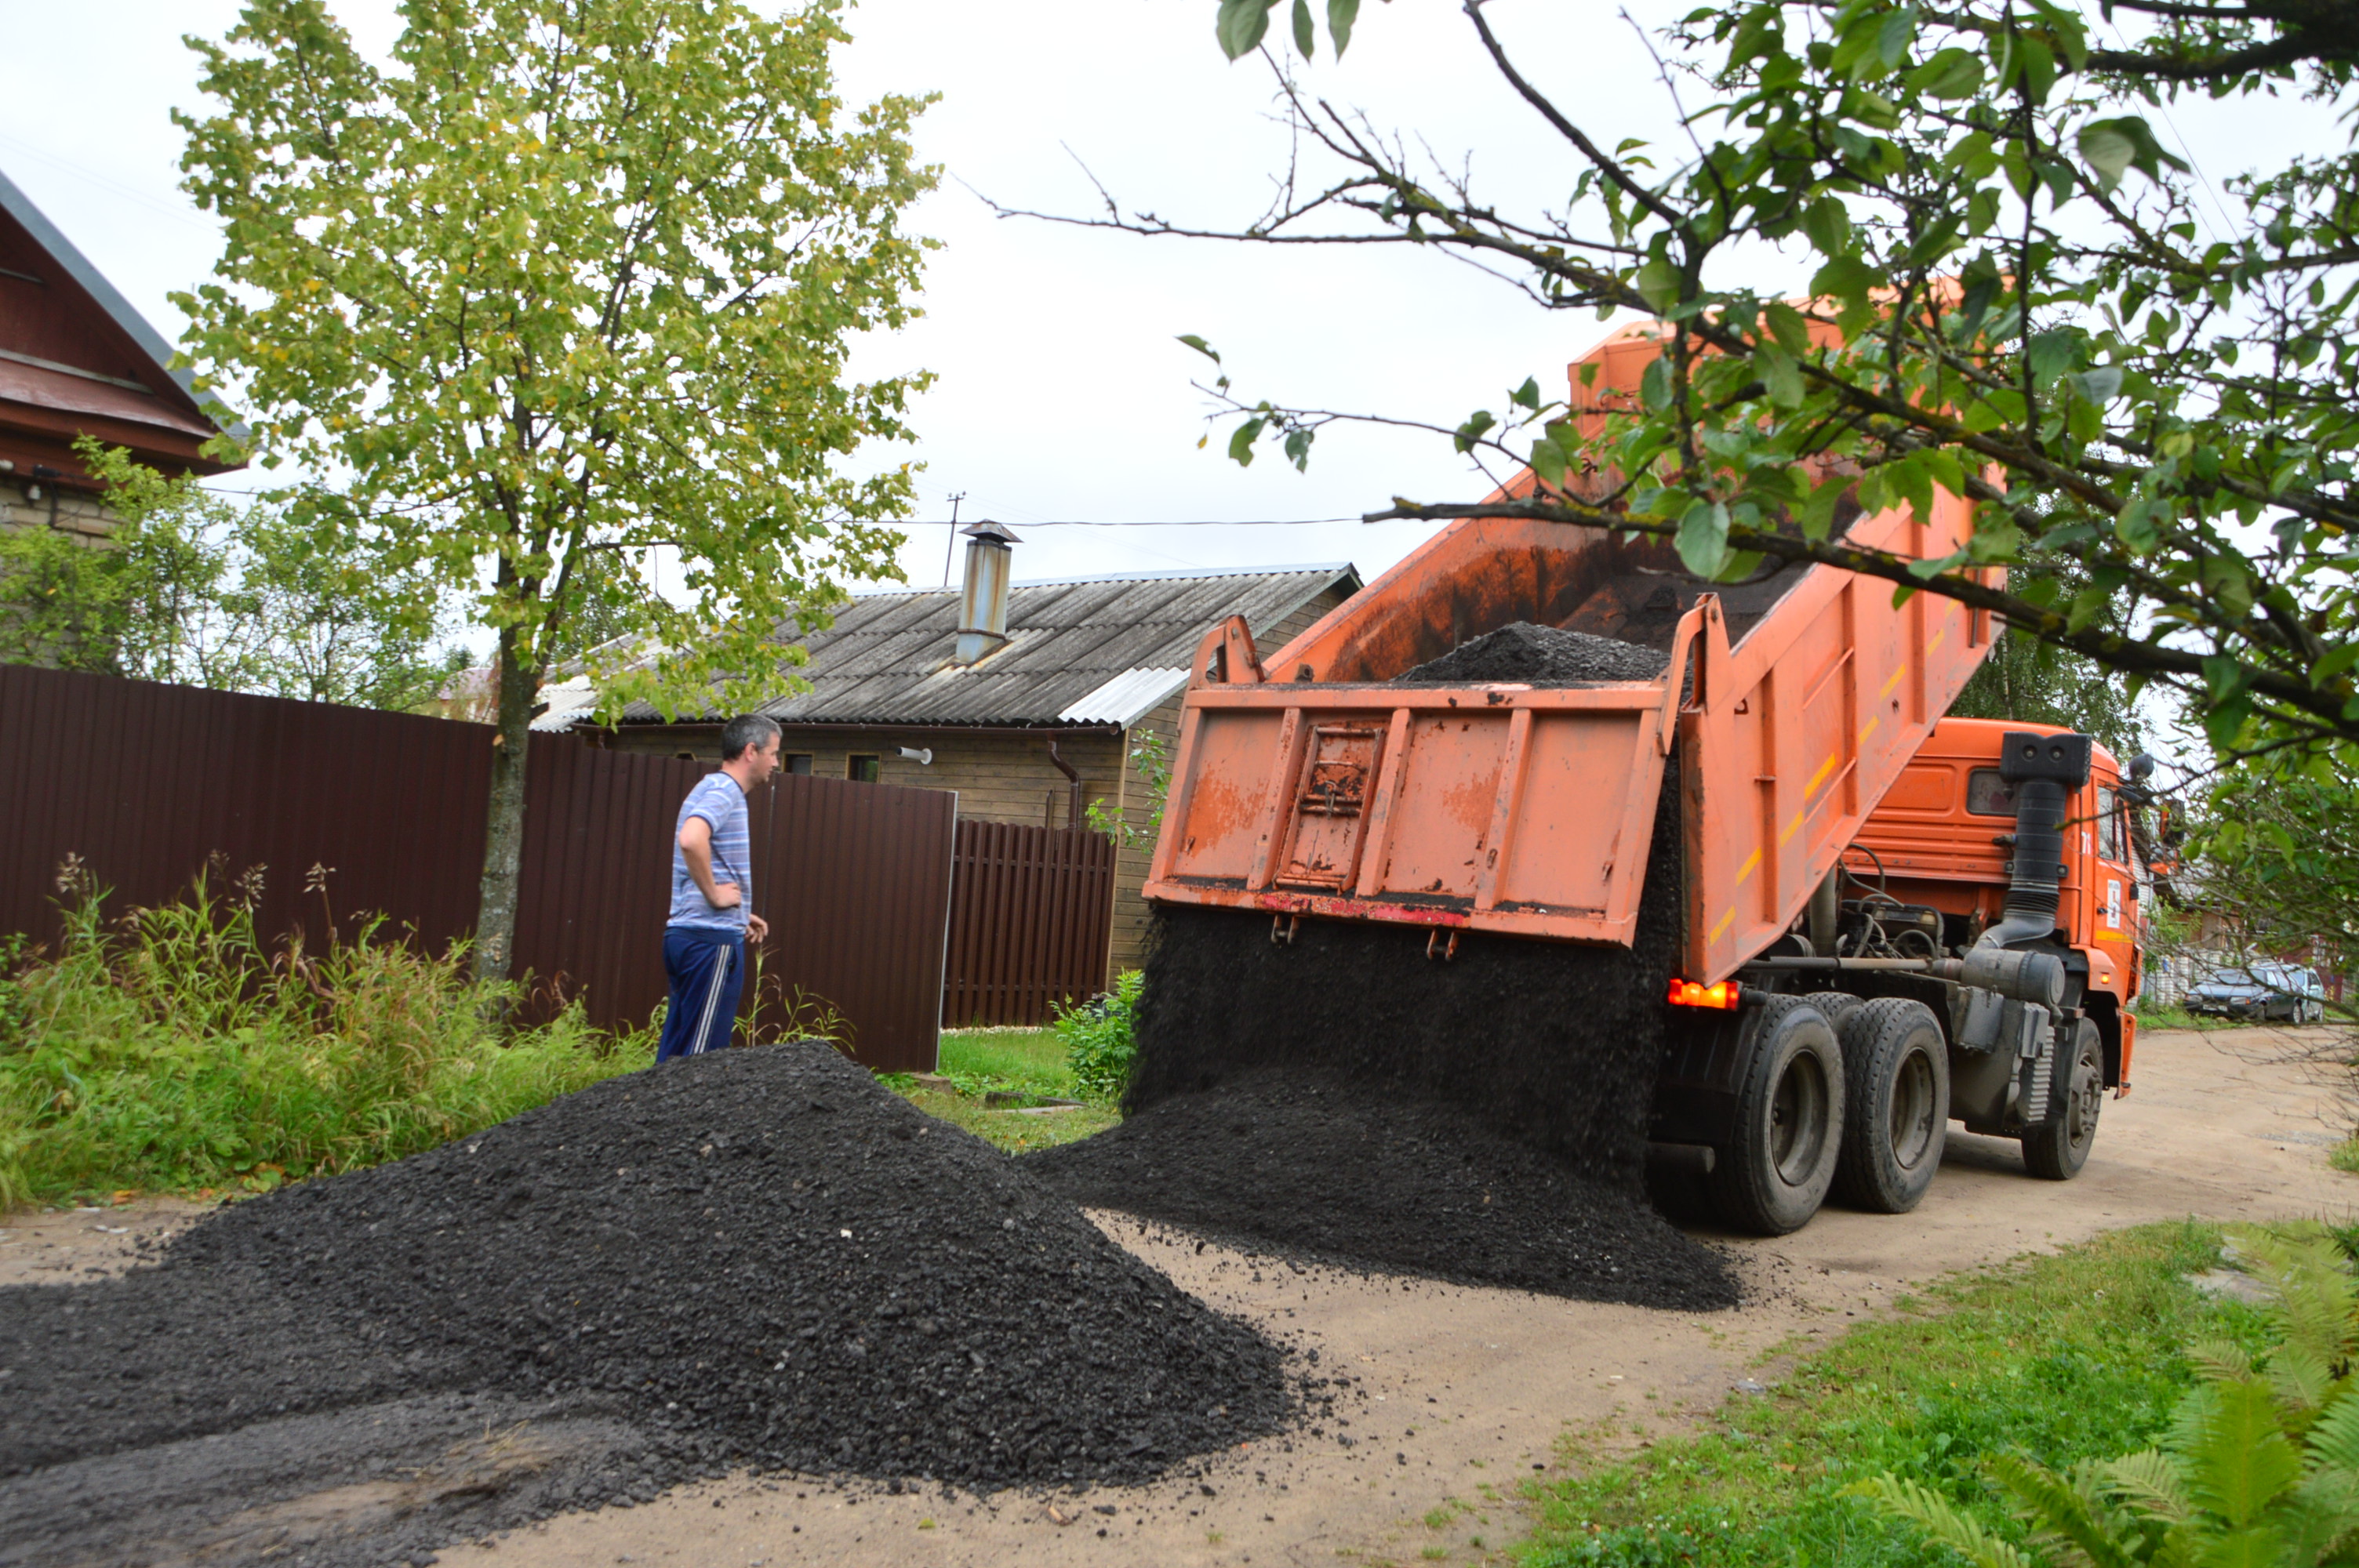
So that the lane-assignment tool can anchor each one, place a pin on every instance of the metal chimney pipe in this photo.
(983, 596)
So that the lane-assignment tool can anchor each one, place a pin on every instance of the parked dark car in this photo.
(2259, 992)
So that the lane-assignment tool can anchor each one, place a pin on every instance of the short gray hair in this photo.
(755, 730)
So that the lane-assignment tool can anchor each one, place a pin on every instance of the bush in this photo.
(176, 1051)
(1096, 1036)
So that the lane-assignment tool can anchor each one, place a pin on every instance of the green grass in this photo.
(170, 1050)
(2180, 1018)
(2060, 1358)
(1022, 1061)
(1027, 1062)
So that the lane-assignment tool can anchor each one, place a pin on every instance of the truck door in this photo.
(2113, 888)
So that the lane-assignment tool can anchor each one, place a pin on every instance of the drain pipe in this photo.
(1072, 788)
(2045, 770)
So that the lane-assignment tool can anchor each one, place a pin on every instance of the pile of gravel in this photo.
(1541, 656)
(765, 1258)
(754, 1259)
(1330, 1170)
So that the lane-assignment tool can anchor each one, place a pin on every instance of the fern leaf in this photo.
(2239, 1460)
(2300, 1379)
(2151, 1481)
(2333, 1439)
(2257, 1546)
(2066, 1508)
(2219, 1361)
(1935, 1515)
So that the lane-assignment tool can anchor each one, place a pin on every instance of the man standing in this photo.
(711, 890)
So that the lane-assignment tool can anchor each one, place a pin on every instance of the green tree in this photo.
(568, 279)
(2276, 848)
(2011, 297)
(197, 589)
(2029, 681)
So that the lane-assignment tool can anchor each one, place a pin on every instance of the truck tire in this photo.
(1774, 1174)
(1834, 1007)
(2057, 1148)
(1896, 1105)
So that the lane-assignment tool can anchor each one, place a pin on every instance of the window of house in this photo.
(798, 763)
(861, 769)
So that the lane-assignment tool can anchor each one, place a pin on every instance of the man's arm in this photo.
(696, 848)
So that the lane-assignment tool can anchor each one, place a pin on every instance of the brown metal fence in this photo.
(1030, 916)
(146, 783)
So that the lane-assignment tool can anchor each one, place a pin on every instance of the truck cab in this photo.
(1941, 840)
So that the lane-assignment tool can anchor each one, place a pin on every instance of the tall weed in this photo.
(1097, 1038)
(175, 1049)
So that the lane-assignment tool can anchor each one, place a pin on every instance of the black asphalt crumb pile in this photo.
(1550, 1046)
(758, 1260)
(1324, 1169)
(773, 1260)
(1541, 656)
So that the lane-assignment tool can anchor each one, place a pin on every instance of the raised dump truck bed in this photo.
(1309, 782)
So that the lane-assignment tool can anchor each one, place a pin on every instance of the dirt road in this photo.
(1458, 1394)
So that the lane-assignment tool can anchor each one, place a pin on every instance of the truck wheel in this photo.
(1835, 1007)
(1790, 1112)
(2057, 1148)
(1896, 1105)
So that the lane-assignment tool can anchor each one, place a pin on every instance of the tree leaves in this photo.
(567, 277)
(1702, 538)
(1340, 15)
(2111, 147)
(1241, 24)
(2121, 385)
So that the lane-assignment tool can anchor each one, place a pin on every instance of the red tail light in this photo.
(1692, 993)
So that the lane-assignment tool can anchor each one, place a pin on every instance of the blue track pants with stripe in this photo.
(707, 968)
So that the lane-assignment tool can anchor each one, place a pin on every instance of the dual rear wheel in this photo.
(1838, 1097)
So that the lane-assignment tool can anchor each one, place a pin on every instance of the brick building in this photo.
(1029, 698)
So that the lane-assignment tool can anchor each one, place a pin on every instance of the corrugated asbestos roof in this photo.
(1079, 651)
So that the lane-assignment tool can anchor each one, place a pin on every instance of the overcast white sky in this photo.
(1061, 392)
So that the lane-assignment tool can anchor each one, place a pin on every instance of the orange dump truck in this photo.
(1886, 919)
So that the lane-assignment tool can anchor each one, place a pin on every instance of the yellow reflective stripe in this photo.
(1819, 777)
(1726, 921)
(1894, 681)
(1869, 728)
(1752, 864)
(1790, 829)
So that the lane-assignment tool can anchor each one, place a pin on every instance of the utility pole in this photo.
(952, 543)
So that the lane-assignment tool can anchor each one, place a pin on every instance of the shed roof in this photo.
(1094, 650)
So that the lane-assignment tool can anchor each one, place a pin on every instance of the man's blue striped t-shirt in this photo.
(718, 800)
